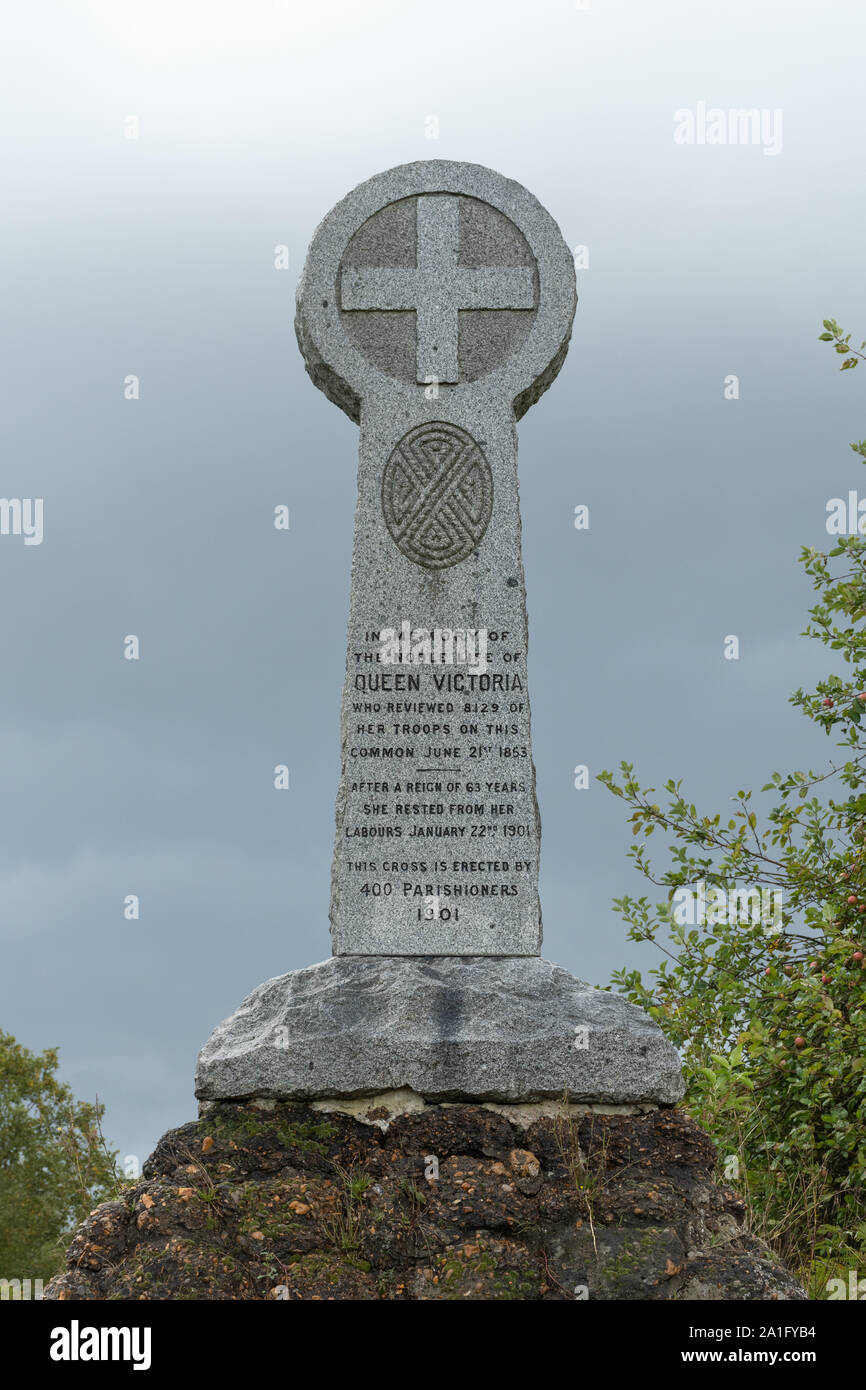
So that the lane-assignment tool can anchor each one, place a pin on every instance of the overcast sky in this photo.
(155, 257)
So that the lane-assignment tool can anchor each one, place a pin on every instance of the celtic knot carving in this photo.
(437, 494)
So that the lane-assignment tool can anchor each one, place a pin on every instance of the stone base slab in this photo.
(450, 1028)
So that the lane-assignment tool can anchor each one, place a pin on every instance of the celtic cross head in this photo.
(437, 292)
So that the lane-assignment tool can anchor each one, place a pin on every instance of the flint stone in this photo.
(449, 1027)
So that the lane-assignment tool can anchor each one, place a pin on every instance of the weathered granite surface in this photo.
(449, 1027)
(435, 307)
(449, 1202)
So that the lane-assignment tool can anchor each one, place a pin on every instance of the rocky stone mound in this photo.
(267, 1200)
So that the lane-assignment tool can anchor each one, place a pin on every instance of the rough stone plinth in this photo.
(273, 1201)
(451, 1028)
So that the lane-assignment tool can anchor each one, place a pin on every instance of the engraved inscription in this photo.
(437, 495)
(437, 848)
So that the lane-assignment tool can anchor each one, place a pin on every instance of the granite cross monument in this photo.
(435, 307)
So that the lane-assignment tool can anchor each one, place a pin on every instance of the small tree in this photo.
(54, 1164)
(768, 1008)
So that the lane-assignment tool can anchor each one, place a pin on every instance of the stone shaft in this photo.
(437, 838)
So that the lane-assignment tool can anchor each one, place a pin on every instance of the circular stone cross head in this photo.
(436, 277)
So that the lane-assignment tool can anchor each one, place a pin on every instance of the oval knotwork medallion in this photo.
(437, 494)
